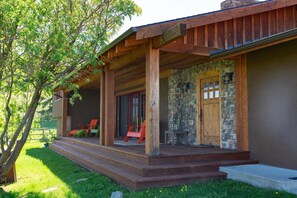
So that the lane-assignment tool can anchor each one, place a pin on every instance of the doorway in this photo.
(130, 111)
(136, 109)
(208, 109)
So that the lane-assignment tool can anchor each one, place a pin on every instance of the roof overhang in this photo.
(255, 45)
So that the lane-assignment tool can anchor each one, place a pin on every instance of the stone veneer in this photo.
(182, 102)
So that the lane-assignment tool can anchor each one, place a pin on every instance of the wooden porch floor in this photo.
(129, 166)
(165, 149)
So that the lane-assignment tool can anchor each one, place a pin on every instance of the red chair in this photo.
(140, 134)
(91, 126)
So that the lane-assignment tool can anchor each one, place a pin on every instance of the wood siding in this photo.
(242, 30)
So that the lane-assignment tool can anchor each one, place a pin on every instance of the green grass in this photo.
(39, 168)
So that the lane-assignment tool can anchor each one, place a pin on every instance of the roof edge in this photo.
(266, 40)
(119, 39)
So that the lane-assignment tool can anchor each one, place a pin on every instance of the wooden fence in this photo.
(42, 134)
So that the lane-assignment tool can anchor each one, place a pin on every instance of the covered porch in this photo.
(131, 167)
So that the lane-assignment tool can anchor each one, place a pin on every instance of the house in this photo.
(225, 78)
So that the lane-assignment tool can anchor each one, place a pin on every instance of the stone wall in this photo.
(182, 102)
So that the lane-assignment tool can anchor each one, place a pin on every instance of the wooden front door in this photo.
(209, 112)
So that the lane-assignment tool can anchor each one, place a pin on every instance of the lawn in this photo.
(43, 173)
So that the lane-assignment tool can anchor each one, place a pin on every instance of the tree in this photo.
(40, 42)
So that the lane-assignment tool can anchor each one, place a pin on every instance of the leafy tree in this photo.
(40, 42)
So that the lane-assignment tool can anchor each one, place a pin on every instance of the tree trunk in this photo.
(15, 146)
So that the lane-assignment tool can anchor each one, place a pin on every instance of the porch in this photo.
(131, 167)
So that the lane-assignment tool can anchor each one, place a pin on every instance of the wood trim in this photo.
(207, 74)
(152, 135)
(241, 101)
(102, 109)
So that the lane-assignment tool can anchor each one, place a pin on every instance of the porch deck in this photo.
(129, 166)
(165, 149)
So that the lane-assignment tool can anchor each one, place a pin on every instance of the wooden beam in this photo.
(188, 49)
(170, 35)
(131, 41)
(130, 90)
(128, 58)
(152, 135)
(141, 81)
(110, 113)
(102, 109)
(121, 48)
(241, 101)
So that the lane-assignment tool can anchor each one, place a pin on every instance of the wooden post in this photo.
(64, 113)
(110, 115)
(241, 103)
(102, 109)
(152, 142)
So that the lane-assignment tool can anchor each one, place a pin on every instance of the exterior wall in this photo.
(183, 102)
(86, 109)
(272, 82)
(57, 108)
(163, 108)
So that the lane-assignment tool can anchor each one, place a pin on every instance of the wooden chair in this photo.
(140, 135)
(91, 126)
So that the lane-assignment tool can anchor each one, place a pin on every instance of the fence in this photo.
(42, 134)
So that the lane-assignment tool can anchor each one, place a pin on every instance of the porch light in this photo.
(227, 77)
(186, 86)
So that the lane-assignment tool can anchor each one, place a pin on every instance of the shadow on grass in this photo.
(90, 185)
(8, 194)
(4, 194)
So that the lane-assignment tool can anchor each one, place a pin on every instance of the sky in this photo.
(161, 10)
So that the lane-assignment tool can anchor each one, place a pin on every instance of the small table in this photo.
(174, 134)
(95, 132)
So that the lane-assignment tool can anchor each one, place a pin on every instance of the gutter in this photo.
(222, 53)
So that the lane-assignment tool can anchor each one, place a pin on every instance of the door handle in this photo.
(200, 116)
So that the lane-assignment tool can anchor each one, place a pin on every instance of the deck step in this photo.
(107, 150)
(139, 172)
(143, 169)
(130, 179)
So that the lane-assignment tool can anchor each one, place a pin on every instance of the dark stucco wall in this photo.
(83, 111)
(272, 92)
